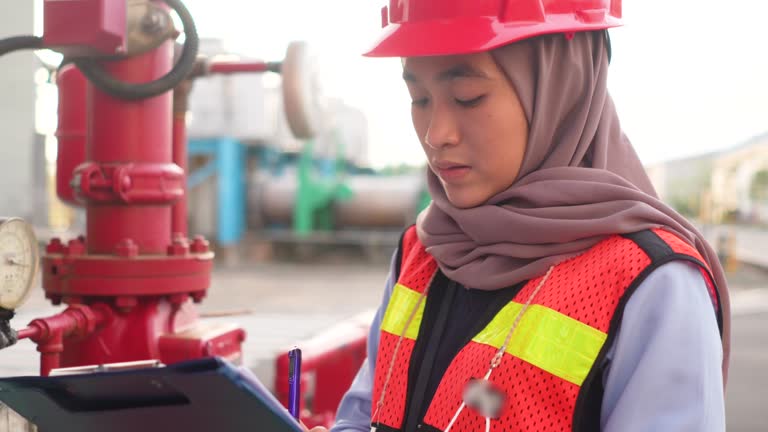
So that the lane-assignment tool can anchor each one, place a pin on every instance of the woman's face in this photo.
(470, 122)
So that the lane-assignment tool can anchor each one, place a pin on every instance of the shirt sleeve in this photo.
(664, 369)
(354, 413)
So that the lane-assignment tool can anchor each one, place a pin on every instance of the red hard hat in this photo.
(444, 27)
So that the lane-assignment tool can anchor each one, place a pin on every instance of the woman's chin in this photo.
(464, 197)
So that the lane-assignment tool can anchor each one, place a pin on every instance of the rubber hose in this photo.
(16, 43)
(132, 91)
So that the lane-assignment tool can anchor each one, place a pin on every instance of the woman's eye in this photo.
(419, 102)
(468, 103)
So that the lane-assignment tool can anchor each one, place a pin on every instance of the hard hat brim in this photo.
(470, 35)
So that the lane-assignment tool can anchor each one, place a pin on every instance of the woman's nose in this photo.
(443, 130)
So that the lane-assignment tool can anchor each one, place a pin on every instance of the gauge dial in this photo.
(18, 261)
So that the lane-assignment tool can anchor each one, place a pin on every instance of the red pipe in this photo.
(226, 67)
(180, 104)
(28, 333)
(49, 333)
(70, 130)
(138, 132)
(50, 352)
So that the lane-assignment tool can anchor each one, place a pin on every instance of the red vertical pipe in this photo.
(179, 210)
(121, 131)
(71, 129)
(50, 352)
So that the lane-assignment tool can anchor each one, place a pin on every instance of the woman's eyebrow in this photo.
(461, 70)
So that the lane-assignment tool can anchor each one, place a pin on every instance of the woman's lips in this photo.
(451, 171)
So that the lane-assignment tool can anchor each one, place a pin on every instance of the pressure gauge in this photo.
(18, 261)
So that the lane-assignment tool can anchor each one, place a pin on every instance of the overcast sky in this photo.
(688, 76)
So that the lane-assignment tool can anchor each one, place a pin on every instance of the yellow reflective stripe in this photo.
(557, 343)
(400, 306)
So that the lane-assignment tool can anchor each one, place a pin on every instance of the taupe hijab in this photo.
(580, 180)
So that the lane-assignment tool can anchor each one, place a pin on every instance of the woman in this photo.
(546, 287)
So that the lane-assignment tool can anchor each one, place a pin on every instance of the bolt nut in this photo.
(55, 246)
(76, 247)
(199, 245)
(126, 248)
(178, 247)
(198, 296)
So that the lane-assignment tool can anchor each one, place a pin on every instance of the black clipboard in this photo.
(194, 396)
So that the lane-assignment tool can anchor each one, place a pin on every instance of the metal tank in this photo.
(377, 201)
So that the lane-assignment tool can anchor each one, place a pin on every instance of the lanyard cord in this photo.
(380, 403)
(496, 361)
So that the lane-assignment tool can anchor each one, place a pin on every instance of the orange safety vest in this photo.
(551, 371)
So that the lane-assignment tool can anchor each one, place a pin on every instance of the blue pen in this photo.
(294, 382)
